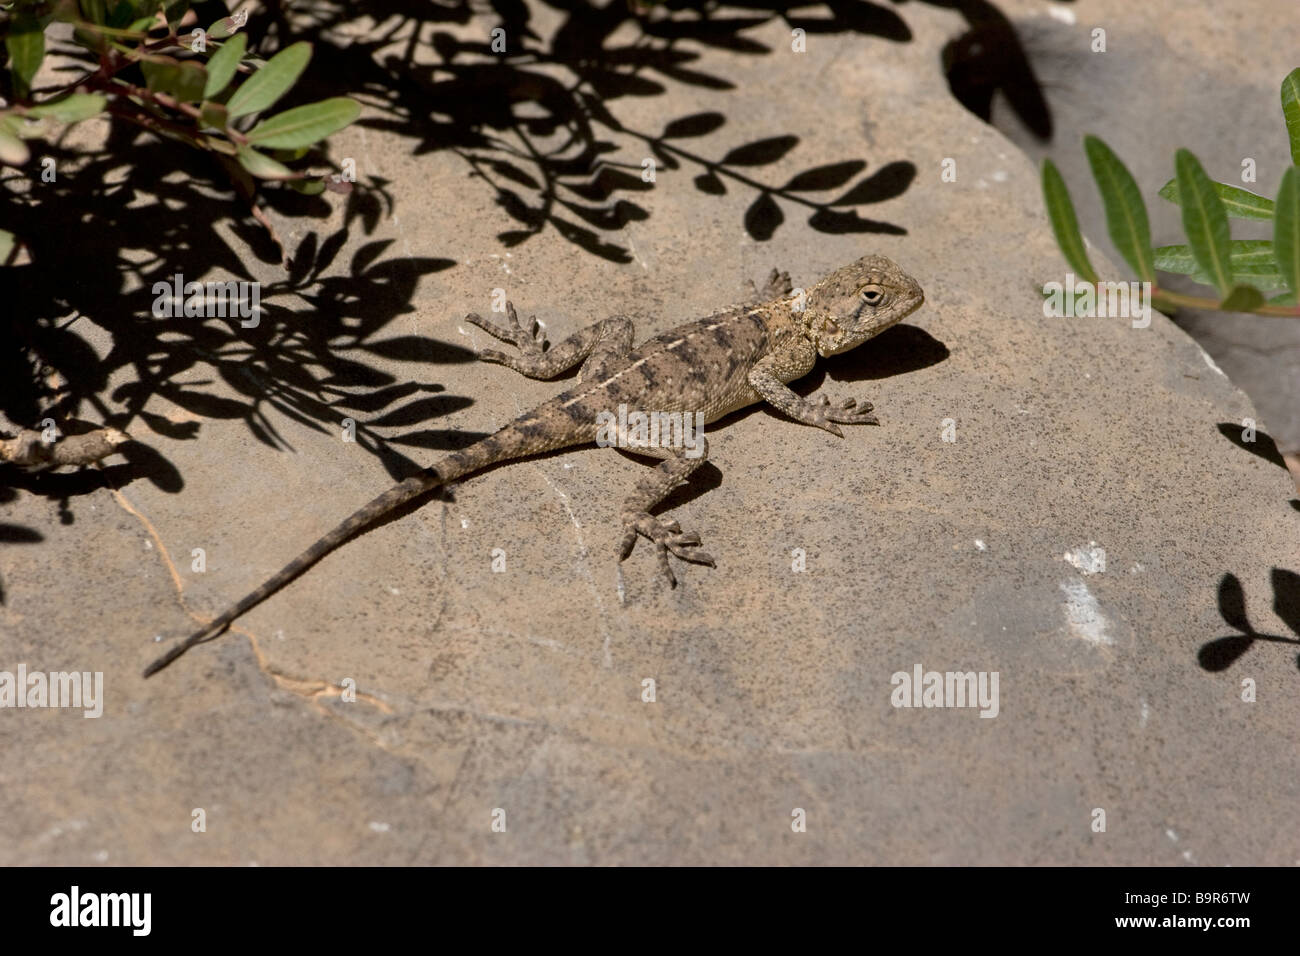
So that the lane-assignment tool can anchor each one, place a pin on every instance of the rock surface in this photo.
(522, 691)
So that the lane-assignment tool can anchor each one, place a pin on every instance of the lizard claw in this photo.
(778, 284)
(667, 536)
(531, 341)
(848, 412)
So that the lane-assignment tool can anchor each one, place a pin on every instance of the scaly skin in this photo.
(737, 357)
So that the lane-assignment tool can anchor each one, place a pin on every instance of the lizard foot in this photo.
(666, 536)
(778, 286)
(848, 412)
(530, 341)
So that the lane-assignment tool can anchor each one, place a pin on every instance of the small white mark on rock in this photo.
(1137, 568)
(1000, 176)
(464, 522)
(379, 827)
(1089, 559)
(101, 856)
(1083, 614)
(980, 545)
(1171, 834)
(1210, 362)
(1064, 14)
(1146, 713)
(392, 590)
(148, 545)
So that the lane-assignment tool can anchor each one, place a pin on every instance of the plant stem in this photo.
(1199, 302)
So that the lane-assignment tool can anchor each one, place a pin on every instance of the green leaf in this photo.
(1291, 111)
(214, 115)
(1060, 210)
(1244, 253)
(1239, 203)
(308, 187)
(120, 15)
(25, 42)
(219, 144)
(1126, 213)
(90, 39)
(305, 125)
(223, 28)
(183, 79)
(13, 151)
(1264, 281)
(71, 109)
(224, 63)
(1242, 298)
(173, 10)
(96, 11)
(1286, 298)
(7, 241)
(263, 166)
(289, 155)
(1286, 228)
(272, 81)
(1204, 221)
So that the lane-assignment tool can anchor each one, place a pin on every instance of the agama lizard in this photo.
(714, 366)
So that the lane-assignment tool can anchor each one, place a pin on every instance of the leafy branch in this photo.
(186, 91)
(1242, 272)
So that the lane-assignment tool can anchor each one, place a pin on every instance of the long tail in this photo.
(394, 497)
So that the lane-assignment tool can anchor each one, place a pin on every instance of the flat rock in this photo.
(521, 694)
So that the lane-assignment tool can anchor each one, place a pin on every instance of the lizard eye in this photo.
(872, 295)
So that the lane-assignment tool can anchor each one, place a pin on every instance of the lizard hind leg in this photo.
(666, 535)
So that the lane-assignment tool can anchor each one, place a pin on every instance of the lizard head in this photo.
(852, 304)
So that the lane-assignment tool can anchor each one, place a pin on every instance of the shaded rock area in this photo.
(1098, 534)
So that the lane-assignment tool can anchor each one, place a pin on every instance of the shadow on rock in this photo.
(1222, 652)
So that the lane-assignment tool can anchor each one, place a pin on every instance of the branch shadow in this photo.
(527, 96)
(531, 103)
(1222, 652)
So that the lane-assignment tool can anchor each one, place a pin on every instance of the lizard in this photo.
(733, 358)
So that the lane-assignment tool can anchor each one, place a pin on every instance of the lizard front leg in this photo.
(766, 379)
(667, 535)
(778, 286)
(595, 344)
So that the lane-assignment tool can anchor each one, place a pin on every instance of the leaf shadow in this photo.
(1222, 652)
